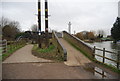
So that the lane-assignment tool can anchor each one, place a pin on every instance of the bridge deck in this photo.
(74, 57)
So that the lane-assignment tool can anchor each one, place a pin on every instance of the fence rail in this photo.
(117, 61)
(3, 46)
(6, 46)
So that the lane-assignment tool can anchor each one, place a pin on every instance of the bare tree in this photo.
(9, 28)
(34, 28)
(4, 21)
(100, 33)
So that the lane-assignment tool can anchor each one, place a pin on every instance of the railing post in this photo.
(103, 55)
(94, 52)
(118, 59)
(6, 44)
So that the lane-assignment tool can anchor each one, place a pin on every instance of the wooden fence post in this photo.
(94, 52)
(103, 55)
(6, 45)
(11, 45)
(118, 59)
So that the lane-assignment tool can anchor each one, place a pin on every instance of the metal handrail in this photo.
(63, 48)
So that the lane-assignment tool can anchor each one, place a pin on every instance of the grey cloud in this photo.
(83, 14)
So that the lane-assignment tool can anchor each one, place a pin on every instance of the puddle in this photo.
(99, 73)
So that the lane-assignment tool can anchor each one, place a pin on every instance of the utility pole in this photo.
(46, 23)
(39, 23)
(69, 27)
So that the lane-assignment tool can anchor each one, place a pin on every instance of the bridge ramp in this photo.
(74, 57)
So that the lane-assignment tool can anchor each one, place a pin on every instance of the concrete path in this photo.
(23, 65)
(74, 57)
(44, 71)
(24, 55)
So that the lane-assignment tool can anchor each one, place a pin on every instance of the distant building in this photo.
(84, 32)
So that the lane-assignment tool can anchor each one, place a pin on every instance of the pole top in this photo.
(69, 23)
(39, 0)
(46, 0)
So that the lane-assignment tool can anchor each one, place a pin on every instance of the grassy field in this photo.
(48, 53)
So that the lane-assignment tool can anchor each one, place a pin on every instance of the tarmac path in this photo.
(74, 57)
(23, 65)
(24, 55)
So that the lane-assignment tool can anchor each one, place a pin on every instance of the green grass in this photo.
(48, 53)
(47, 50)
(77, 48)
(111, 67)
(94, 60)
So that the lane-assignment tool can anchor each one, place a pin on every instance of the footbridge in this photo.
(77, 53)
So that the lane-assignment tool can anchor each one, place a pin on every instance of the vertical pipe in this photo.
(39, 22)
(46, 16)
(46, 24)
(39, 16)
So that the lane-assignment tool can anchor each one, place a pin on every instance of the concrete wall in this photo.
(79, 44)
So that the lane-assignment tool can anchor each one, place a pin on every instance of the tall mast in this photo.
(46, 16)
(39, 23)
(39, 16)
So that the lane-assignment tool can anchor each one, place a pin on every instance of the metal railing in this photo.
(103, 56)
(60, 47)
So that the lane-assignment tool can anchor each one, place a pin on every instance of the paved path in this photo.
(44, 71)
(23, 65)
(74, 57)
(24, 55)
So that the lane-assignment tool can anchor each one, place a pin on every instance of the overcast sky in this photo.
(83, 14)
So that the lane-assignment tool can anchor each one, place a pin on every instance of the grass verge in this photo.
(48, 53)
(112, 68)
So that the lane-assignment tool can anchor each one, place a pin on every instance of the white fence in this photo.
(3, 46)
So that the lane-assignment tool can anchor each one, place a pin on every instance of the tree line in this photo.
(115, 30)
(91, 35)
(10, 29)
